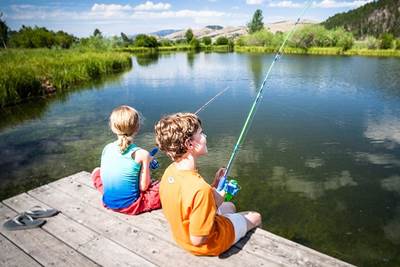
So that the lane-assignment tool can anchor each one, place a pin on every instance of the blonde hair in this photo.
(125, 123)
(173, 131)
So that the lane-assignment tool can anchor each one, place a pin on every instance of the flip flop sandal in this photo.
(22, 222)
(39, 212)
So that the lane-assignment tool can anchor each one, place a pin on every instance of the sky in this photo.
(111, 17)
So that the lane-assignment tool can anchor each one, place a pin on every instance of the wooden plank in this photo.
(40, 245)
(11, 255)
(127, 235)
(91, 244)
(264, 243)
(157, 227)
(261, 243)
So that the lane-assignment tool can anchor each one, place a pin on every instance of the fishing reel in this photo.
(228, 187)
(154, 163)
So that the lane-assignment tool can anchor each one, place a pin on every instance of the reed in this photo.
(28, 73)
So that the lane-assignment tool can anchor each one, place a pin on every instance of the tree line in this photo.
(372, 19)
(306, 37)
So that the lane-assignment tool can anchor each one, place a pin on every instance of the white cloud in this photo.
(386, 128)
(178, 14)
(254, 2)
(340, 4)
(150, 6)
(322, 4)
(19, 7)
(286, 4)
(111, 7)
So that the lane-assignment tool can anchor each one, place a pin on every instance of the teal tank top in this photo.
(120, 176)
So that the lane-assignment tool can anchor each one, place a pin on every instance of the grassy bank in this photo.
(27, 73)
(322, 51)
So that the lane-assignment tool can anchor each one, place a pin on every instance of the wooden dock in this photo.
(87, 234)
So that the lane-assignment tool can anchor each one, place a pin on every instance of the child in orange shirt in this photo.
(200, 220)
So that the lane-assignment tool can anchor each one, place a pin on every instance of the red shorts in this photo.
(147, 201)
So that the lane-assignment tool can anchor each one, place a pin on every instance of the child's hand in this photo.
(218, 175)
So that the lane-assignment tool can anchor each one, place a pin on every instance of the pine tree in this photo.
(3, 32)
(189, 35)
(256, 23)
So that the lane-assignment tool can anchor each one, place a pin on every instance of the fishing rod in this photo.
(256, 102)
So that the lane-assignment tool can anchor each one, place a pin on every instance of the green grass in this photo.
(24, 72)
(329, 51)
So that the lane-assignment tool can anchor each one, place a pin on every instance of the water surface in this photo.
(321, 161)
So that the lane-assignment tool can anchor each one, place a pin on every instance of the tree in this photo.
(206, 40)
(64, 40)
(3, 31)
(189, 35)
(125, 39)
(39, 37)
(256, 23)
(97, 33)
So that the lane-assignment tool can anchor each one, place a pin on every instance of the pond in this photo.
(321, 160)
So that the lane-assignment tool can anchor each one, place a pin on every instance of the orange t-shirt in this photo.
(189, 206)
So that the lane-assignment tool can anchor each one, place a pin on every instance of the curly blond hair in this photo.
(125, 123)
(173, 131)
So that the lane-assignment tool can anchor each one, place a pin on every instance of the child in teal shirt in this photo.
(124, 174)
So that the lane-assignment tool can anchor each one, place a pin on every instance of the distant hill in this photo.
(214, 27)
(215, 31)
(375, 18)
(163, 33)
(287, 25)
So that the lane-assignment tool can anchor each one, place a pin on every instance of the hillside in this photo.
(374, 18)
(232, 32)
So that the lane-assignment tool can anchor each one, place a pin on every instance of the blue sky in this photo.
(114, 16)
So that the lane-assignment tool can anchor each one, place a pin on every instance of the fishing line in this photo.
(256, 102)
(210, 101)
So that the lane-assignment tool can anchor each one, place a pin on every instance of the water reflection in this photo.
(147, 59)
(384, 128)
(378, 159)
(311, 189)
(256, 66)
(191, 57)
(16, 115)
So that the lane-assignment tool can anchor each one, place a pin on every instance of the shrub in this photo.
(222, 40)
(372, 42)
(206, 40)
(143, 40)
(195, 44)
(166, 42)
(343, 39)
(386, 41)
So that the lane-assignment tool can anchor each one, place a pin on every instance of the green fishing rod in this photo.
(223, 181)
